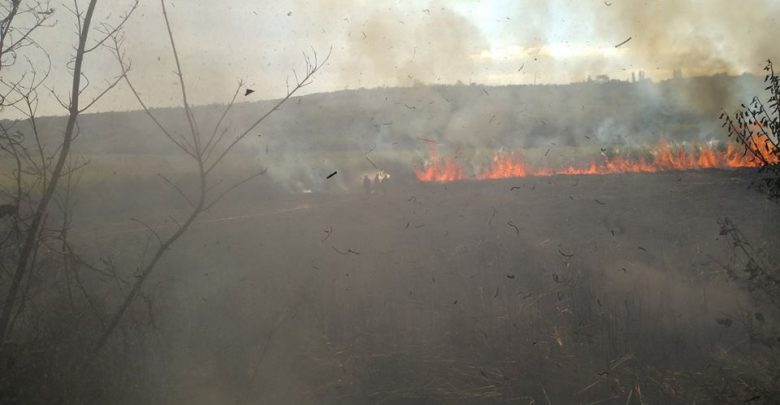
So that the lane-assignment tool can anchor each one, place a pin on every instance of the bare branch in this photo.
(111, 31)
(180, 74)
(8, 28)
(180, 144)
(110, 86)
(233, 187)
(56, 97)
(200, 155)
(177, 189)
(29, 246)
(208, 145)
(148, 228)
(310, 71)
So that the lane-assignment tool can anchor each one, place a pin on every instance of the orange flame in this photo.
(504, 166)
(440, 170)
(661, 157)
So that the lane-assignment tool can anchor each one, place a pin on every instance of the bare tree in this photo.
(21, 20)
(40, 169)
(207, 151)
(38, 264)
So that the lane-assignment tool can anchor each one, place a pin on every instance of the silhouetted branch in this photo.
(201, 154)
(757, 129)
(111, 31)
(209, 145)
(181, 144)
(182, 86)
(177, 189)
(311, 69)
(233, 187)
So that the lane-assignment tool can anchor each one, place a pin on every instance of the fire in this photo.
(446, 169)
(505, 165)
(661, 157)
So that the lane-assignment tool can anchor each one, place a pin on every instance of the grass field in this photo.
(564, 289)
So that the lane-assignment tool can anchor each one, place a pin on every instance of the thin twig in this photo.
(177, 189)
(233, 187)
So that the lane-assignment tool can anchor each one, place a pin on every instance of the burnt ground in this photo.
(568, 289)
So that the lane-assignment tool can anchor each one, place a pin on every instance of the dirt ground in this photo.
(566, 289)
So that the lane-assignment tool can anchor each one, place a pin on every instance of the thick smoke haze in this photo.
(399, 44)
(471, 202)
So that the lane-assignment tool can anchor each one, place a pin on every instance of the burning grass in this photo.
(657, 158)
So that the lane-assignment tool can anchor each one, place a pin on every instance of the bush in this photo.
(756, 128)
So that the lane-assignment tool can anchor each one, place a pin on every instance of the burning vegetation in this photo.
(279, 246)
(657, 158)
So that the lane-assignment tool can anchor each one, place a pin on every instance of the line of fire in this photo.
(660, 157)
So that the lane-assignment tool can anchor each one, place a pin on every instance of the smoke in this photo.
(431, 46)
(558, 42)
(700, 37)
(431, 42)
(418, 45)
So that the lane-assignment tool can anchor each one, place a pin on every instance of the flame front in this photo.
(440, 170)
(661, 157)
(504, 166)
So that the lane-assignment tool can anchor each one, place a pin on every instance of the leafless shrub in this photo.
(207, 151)
(756, 127)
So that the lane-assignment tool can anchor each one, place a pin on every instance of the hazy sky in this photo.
(392, 43)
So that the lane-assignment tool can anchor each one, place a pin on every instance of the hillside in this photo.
(510, 116)
(313, 135)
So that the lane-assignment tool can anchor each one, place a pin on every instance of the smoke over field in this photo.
(577, 288)
(496, 202)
